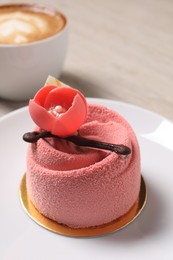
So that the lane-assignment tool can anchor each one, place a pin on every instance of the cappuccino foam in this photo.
(20, 24)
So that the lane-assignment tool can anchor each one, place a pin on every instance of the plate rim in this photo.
(90, 99)
(160, 252)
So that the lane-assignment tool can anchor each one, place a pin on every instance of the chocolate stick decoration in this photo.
(33, 137)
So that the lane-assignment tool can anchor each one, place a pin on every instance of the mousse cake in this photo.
(83, 160)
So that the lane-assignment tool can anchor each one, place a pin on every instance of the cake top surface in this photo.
(60, 111)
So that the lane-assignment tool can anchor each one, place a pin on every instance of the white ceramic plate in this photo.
(150, 236)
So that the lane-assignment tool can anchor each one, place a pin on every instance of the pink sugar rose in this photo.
(60, 110)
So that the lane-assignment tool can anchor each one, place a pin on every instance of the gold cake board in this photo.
(83, 232)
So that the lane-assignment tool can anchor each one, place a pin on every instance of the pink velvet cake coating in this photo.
(83, 187)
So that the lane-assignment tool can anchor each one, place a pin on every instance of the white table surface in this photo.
(120, 50)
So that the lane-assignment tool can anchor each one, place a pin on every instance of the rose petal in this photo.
(71, 120)
(62, 96)
(42, 94)
(40, 116)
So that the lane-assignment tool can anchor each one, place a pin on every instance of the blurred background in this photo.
(120, 50)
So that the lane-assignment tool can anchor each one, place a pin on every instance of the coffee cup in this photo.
(33, 45)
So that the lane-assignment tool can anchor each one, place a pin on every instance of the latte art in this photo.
(20, 24)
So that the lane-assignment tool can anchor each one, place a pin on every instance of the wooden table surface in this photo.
(120, 50)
